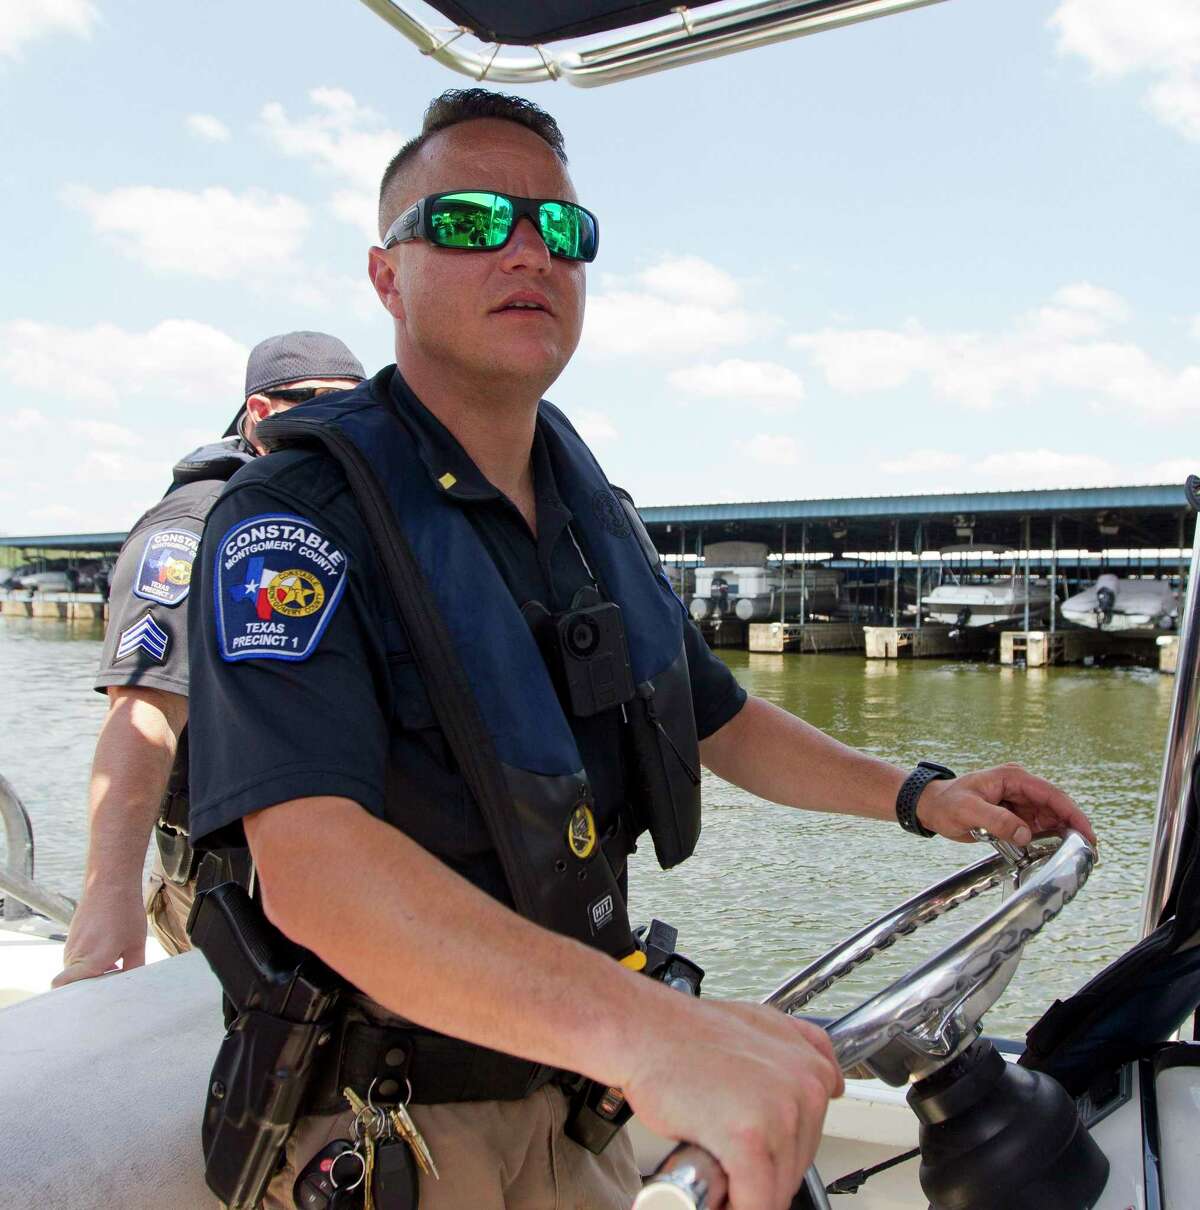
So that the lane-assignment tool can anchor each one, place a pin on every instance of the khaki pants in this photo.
(167, 907)
(492, 1155)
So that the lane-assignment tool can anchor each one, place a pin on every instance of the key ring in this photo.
(362, 1170)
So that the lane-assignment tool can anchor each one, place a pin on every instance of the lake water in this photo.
(769, 888)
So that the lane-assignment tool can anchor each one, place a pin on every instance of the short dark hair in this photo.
(457, 105)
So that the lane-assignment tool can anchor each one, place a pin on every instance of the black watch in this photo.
(910, 794)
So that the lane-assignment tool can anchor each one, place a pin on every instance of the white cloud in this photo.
(1194, 327)
(1064, 345)
(921, 462)
(213, 233)
(24, 21)
(691, 279)
(101, 432)
(26, 420)
(772, 449)
(176, 360)
(343, 139)
(595, 426)
(765, 384)
(679, 306)
(1174, 470)
(1159, 41)
(210, 129)
(1045, 468)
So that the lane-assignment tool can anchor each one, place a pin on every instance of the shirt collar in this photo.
(450, 466)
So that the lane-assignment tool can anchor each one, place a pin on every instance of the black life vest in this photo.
(520, 759)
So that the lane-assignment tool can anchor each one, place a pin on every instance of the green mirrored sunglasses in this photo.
(480, 220)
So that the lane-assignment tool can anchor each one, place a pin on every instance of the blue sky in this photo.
(949, 249)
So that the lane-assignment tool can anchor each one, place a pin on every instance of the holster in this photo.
(283, 999)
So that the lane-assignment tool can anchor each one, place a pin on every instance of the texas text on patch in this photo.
(277, 580)
(146, 636)
(165, 572)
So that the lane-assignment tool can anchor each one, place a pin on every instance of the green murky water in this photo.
(769, 887)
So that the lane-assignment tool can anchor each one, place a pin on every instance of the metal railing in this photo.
(21, 893)
(1183, 742)
(685, 37)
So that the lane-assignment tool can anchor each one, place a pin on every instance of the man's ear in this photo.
(383, 278)
(258, 407)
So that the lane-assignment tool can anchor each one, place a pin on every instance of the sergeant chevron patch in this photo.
(144, 635)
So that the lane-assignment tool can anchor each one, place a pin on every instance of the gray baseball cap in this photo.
(295, 357)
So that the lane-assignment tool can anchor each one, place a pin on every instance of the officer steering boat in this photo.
(466, 980)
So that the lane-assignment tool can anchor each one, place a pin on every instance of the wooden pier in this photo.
(813, 636)
(56, 606)
(1168, 653)
(923, 642)
(1042, 648)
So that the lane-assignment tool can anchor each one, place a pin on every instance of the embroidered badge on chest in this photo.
(165, 572)
(277, 581)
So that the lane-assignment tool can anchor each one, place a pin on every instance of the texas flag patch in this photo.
(165, 572)
(277, 581)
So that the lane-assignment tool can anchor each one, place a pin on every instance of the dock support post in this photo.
(783, 577)
(803, 566)
(1182, 536)
(1053, 574)
(920, 538)
(896, 574)
(1027, 574)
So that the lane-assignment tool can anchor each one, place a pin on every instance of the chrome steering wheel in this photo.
(927, 1017)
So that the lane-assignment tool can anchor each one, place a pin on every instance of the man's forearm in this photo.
(426, 944)
(133, 760)
(780, 757)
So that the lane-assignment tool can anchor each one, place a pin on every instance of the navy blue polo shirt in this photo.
(348, 714)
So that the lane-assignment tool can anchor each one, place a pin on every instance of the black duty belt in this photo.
(439, 1069)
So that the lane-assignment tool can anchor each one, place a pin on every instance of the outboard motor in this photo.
(995, 1136)
(1106, 598)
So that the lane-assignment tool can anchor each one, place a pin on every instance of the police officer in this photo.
(139, 772)
(397, 697)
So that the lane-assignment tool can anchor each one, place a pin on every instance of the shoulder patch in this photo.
(276, 582)
(609, 513)
(165, 572)
(146, 636)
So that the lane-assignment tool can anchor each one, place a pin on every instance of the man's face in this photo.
(454, 309)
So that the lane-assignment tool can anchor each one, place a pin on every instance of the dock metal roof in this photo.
(1087, 518)
(1047, 502)
(1091, 518)
(99, 542)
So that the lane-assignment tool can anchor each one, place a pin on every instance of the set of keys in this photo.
(377, 1169)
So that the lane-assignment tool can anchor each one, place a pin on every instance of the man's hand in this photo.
(108, 933)
(1009, 802)
(747, 1083)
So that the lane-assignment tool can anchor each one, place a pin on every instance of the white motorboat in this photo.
(736, 581)
(1120, 605)
(995, 604)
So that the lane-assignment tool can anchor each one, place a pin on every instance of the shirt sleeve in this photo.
(287, 664)
(146, 640)
(716, 694)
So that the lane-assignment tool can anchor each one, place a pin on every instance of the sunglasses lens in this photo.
(471, 220)
(568, 230)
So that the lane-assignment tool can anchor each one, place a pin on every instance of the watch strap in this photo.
(910, 794)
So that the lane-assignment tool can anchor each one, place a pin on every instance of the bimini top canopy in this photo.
(630, 37)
